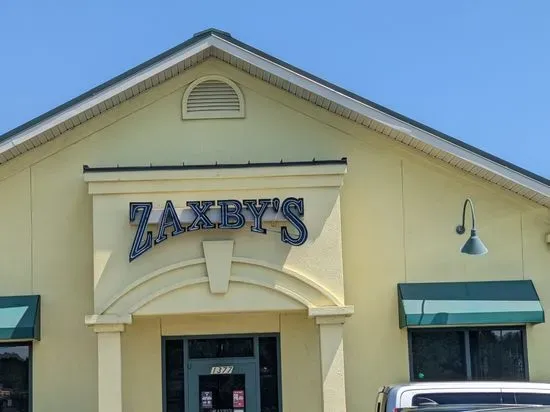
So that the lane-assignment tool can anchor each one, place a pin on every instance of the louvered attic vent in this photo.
(212, 97)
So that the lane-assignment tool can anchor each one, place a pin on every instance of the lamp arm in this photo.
(468, 200)
(461, 228)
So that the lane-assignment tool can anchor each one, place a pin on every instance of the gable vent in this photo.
(212, 97)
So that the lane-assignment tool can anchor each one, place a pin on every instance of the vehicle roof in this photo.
(462, 407)
(467, 384)
(522, 408)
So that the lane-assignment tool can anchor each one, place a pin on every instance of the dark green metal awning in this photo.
(468, 303)
(20, 317)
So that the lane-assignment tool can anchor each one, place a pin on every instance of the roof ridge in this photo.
(211, 31)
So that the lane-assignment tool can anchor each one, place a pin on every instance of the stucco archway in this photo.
(184, 288)
(178, 288)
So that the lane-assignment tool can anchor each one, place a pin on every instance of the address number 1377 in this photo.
(221, 370)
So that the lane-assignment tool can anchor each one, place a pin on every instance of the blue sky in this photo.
(477, 70)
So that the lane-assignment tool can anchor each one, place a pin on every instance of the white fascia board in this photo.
(104, 95)
(375, 114)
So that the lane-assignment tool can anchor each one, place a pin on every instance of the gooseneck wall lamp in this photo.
(474, 245)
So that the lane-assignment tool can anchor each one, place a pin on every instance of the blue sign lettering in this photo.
(138, 246)
(221, 214)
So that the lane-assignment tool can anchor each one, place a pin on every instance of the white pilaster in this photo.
(109, 351)
(331, 333)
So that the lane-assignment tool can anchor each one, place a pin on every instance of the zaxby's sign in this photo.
(220, 214)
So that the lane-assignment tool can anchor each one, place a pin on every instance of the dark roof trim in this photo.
(227, 37)
(314, 162)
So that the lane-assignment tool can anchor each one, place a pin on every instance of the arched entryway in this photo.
(245, 286)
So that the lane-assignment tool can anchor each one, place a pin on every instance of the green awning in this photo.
(468, 303)
(20, 317)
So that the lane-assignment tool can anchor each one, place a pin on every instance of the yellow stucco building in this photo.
(218, 230)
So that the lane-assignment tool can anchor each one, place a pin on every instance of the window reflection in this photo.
(494, 354)
(174, 372)
(14, 378)
(269, 374)
(221, 348)
(438, 355)
(497, 354)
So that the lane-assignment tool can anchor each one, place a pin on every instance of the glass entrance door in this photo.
(205, 373)
(223, 385)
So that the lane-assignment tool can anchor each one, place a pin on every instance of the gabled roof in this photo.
(213, 43)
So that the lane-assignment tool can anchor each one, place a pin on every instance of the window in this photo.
(531, 398)
(15, 377)
(221, 348)
(446, 398)
(174, 370)
(468, 354)
(497, 354)
(269, 374)
(439, 356)
(481, 397)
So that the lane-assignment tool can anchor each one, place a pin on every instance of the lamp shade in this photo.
(474, 245)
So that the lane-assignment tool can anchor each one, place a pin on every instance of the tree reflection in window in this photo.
(14, 377)
(438, 355)
(472, 354)
(269, 374)
(497, 354)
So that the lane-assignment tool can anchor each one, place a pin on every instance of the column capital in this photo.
(331, 315)
(108, 323)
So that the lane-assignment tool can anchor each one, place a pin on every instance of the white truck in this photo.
(391, 398)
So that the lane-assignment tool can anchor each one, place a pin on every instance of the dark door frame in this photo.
(186, 338)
